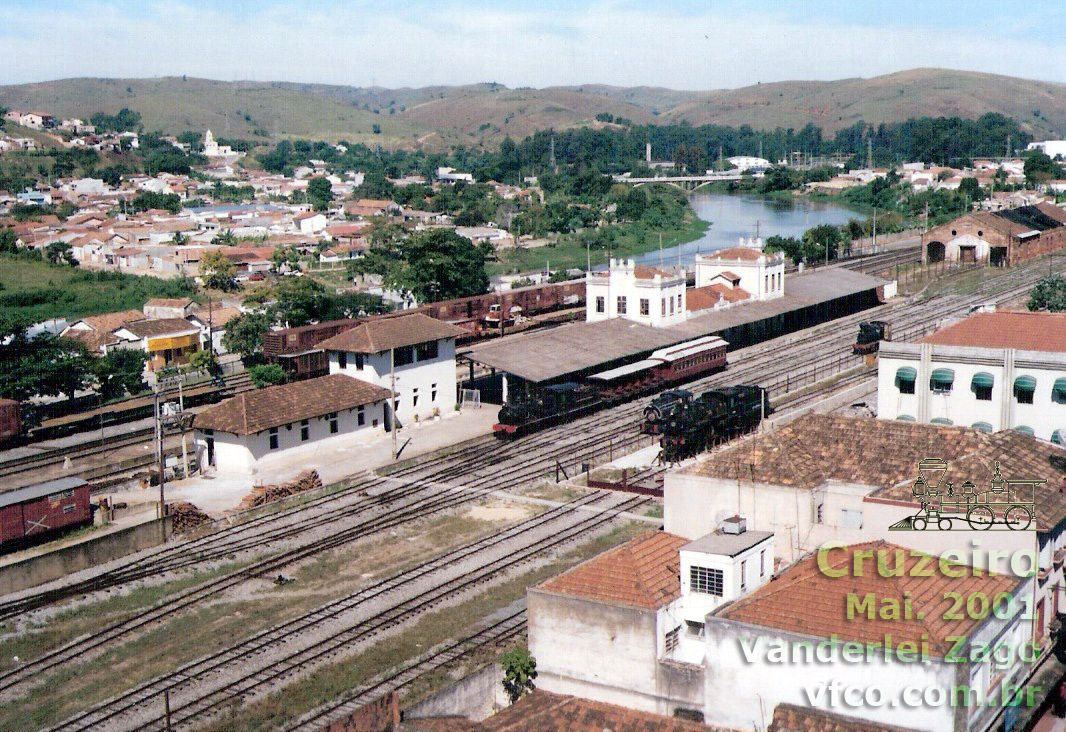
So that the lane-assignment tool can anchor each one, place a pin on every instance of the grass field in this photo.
(570, 253)
(37, 290)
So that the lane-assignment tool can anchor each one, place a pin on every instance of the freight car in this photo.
(561, 402)
(716, 416)
(10, 421)
(871, 333)
(43, 511)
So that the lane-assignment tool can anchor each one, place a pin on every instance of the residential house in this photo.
(97, 331)
(311, 222)
(167, 342)
(179, 307)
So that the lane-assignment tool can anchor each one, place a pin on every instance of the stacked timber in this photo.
(186, 517)
(262, 494)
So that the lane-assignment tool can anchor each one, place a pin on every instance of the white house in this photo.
(647, 295)
(747, 266)
(412, 355)
(311, 222)
(1051, 148)
(749, 162)
(991, 371)
(451, 175)
(235, 435)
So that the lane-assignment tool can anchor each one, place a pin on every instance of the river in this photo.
(735, 215)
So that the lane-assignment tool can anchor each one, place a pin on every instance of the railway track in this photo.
(244, 660)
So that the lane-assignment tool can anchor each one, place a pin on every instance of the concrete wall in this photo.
(63, 561)
(476, 696)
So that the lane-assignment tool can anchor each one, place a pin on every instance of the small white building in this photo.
(991, 371)
(213, 150)
(451, 175)
(413, 355)
(644, 294)
(311, 222)
(759, 273)
(1051, 148)
(749, 162)
(234, 435)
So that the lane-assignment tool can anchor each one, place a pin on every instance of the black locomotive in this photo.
(690, 426)
(871, 333)
(662, 409)
(552, 405)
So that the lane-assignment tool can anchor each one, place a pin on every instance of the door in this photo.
(211, 451)
(968, 255)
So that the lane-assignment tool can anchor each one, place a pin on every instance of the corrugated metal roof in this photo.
(40, 489)
(626, 370)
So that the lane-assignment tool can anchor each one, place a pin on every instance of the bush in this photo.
(266, 375)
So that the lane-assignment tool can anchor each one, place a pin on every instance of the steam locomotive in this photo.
(689, 424)
(558, 403)
(871, 333)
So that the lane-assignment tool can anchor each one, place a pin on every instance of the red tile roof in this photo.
(261, 409)
(643, 572)
(376, 336)
(747, 254)
(702, 298)
(792, 718)
(730, 294)
(1022, 330)
(648, 273)
(806, 599)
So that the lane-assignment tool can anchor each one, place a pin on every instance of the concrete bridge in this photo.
(685, 182)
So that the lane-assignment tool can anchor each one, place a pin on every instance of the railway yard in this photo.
(292, 614)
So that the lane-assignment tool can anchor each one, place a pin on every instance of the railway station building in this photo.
(235, 435)
(411, 355)
(997, 238)
(689, 629)
(991, 371)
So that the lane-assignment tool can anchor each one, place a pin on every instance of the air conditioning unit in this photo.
(734, 525)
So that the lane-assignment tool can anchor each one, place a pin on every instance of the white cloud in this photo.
(454, 44)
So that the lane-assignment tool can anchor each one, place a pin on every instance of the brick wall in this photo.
(382, 715)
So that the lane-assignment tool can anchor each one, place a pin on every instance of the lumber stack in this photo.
(186, 517)
(262, 494)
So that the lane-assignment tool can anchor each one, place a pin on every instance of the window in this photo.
(765, 282)
(334, 428)
(671, 306)
(905, 378)
(1058, 391)
(621, 304)
(762, 563)
(671, 640)
(360, 417)
(599, 303)
(819, 513)
(645, 308)
(1024, 388)
(982, 386)
(428, 351)
(664, 307)
(273, 438)
(342, 360)
(403, 355)
(69, 508)
(705, 580)
(359, 362)
(433, 393)
(743, 575)
(940, 381)
(305, 430)
(679, 302)
(693, 628)
(414, 397)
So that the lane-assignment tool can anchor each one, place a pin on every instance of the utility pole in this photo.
(393, 399)
(869, 153)
(161, 459)
(875, 230)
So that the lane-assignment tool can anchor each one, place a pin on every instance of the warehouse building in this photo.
(233, 436)
(998, 238)
(991, 371)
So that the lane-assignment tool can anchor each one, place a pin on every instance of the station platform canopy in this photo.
(548, 355)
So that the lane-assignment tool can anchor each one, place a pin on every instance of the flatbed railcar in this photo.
(44, 511)
(561, 402)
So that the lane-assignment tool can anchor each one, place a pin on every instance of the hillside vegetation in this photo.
(437, 118)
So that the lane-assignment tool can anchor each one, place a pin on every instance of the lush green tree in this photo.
(244, 334)
(59, 252)
(267, 374)
(120, 372)
(353, 305)
(970, 188)
(218, 271)
(8, 241)
(819, 239)
(125, 121)
(431, 265)
(375, 185)
(1040, 168)
(519, 672)
(790, 245)
(521, 282)
(299, 301)
(632, 205)
(146, 200)
(320, 192)
(42, 366)
(1049, 294)
(225, 238)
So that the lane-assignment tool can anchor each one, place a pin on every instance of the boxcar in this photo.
(10, 421)
(43, 511)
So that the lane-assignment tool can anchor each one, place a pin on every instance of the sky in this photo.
(688, 44)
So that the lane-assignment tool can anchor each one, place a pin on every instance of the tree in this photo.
(44, 365)
(431, 265)
(320, 192)
(1049, 294)
(268, 374)
(224, 238)
(1040, 168)
(218, 271)
(125, 121)
(120, 372)
(244, 334)
(202, 360)
(519, 671)
(146, 200)
(375, 185)
(8, 241)
(299, 301)
(59, 252)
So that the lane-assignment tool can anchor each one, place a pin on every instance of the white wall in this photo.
(665, 295)
(242, 453)
(421, 379)
(764, 280)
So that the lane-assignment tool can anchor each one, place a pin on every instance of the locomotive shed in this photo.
(571, 352)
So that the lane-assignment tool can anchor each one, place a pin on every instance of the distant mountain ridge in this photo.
(482, 114)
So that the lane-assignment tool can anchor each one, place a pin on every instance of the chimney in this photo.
(735, 524)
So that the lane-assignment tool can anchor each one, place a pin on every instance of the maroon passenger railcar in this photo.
(43, 511)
